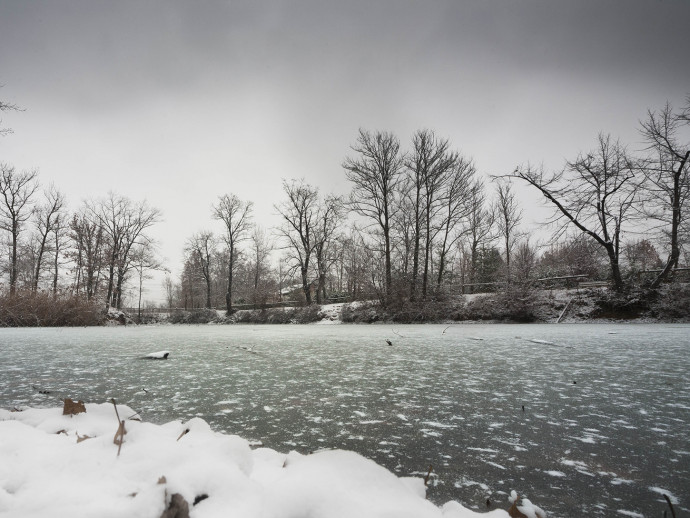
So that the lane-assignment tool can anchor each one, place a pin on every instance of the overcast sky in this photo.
(179, 102)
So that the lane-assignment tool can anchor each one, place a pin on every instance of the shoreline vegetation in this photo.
(513, 305)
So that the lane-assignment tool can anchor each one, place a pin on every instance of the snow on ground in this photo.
(330, 313)
(57, 465)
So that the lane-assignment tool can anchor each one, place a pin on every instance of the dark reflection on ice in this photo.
(605, 424)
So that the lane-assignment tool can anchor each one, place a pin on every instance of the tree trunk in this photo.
(305, 285)
(672, 261)
(231, 266)
(13, 266)
(39, 260)
(389, 277)
(615, 267)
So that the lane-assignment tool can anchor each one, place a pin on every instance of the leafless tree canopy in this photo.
(667, 178)
(595, 193)
(16, 200)
(124, 224)
(508, 216)
(375, 173)
(202, 248)
(236, 216)
(300, 217)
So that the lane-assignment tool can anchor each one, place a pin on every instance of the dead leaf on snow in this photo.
(72, 407)
(514, 512)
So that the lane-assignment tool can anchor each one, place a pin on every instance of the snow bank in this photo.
(61, 465)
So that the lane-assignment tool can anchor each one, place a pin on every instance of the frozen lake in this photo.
(605, 428)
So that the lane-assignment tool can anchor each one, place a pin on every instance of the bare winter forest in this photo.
(421, 226)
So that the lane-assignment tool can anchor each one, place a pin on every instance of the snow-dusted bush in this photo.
(361, 312)
(28, 309)
(672, 303)
(515, 303)
(623, 305)
(197, 316)
(301, 315)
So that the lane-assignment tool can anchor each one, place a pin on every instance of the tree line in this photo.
(90, 252)
(420, 222)
(423, 223)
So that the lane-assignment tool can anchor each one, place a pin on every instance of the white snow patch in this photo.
(160, 355)
(554, 473)
(45, 473)
(662, 491)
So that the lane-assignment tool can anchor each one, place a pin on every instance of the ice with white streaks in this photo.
(604, 429)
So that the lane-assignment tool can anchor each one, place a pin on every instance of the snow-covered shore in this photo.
(68, 465)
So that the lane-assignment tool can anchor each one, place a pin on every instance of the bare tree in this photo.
(508, 216)
(261, 249)
(299, 214)
(456, 206)
(202, 246)
(525, 261)
(429, 167)
(16, 193)
(60, 241)
(47, 217)
(88, 242)
(595, 193)
(169, 287)
(328, 218)
(236, 215)
(124, 224)
(144, 260)
(376, 173)
(667, 176)
(479, 223)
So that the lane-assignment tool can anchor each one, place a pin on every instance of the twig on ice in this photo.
(668, 500)
(428, 475)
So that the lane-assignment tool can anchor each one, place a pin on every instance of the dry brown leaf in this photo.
(162, 480)
(514, 512)
(120, 436)
(81, 438)
(72, 407)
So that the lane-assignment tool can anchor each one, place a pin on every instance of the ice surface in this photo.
(630, 403)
